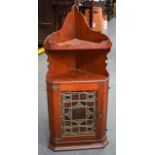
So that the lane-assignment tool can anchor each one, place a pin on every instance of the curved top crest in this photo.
(75, 34)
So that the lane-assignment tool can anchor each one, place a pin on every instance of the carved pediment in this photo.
(76, 28)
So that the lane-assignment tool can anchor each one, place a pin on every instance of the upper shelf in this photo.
(76, 35)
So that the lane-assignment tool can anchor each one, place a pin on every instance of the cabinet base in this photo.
(78, 146)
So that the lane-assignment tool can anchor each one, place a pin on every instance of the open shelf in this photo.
(76, 42)
(77, 76)
(79, 44)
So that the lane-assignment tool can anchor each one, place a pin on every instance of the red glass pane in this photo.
(90, 103)
(82, 96)
(67, 104)
(75, 97)
(82, 129)
(79, 113)
(67, 123)
(75, 129)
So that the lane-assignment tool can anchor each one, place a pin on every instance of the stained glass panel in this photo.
(78, 113)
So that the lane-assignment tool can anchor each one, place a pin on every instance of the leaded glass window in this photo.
(78, 113)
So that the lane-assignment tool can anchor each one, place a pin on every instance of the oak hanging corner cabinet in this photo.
(77, 85)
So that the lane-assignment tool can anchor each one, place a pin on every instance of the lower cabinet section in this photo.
(77, 115)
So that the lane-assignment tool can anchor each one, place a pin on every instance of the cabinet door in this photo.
(79, 112)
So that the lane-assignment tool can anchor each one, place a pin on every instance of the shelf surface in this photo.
(77, 76)
(79, 44)
(76, 42)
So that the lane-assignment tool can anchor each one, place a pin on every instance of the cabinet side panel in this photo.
(54, 112)
(50, 110)
(102, 109)
(105, 103)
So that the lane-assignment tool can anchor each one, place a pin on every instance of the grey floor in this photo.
(43, 131)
